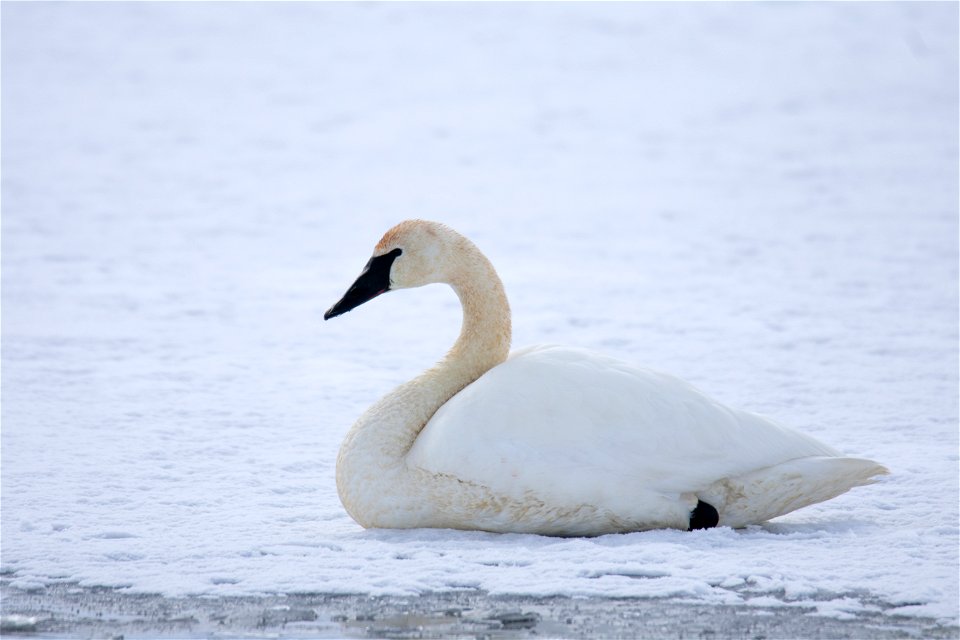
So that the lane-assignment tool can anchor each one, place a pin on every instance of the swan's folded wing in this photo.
(573, 427)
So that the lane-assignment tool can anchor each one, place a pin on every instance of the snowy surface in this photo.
(759, 198)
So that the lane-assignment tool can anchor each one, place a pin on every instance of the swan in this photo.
(555, 440)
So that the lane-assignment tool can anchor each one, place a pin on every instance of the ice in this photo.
(759, 198)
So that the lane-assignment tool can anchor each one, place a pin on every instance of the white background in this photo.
(759, 198)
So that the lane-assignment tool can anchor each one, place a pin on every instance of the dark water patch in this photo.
(65, 610)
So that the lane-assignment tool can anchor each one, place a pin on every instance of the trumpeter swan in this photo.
(555, 440)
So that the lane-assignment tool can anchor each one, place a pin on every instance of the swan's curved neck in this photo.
(372, 478)
(484, 340)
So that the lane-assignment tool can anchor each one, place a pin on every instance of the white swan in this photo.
(555, 440)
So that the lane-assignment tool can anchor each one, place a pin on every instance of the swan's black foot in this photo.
(703, 516)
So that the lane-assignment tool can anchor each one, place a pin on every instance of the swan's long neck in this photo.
(374, 483)
(484, 340)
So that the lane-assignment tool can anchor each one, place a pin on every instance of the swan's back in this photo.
(572, 427)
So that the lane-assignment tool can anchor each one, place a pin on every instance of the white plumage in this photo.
(557, 440)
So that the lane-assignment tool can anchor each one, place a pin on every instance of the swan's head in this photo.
(412, 254)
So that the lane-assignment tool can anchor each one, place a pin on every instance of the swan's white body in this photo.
(556, 440)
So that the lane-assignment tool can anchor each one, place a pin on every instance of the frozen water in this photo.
(760, 198)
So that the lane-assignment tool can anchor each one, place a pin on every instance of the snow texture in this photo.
(758, 198)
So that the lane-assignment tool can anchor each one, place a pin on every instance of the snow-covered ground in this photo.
(760, 198)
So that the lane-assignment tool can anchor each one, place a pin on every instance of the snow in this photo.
(759, 198)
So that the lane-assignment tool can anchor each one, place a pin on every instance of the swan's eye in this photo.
(385, 265)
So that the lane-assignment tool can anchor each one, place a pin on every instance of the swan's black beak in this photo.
(374, 280)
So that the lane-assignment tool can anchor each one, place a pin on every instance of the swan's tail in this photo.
(760, 495)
